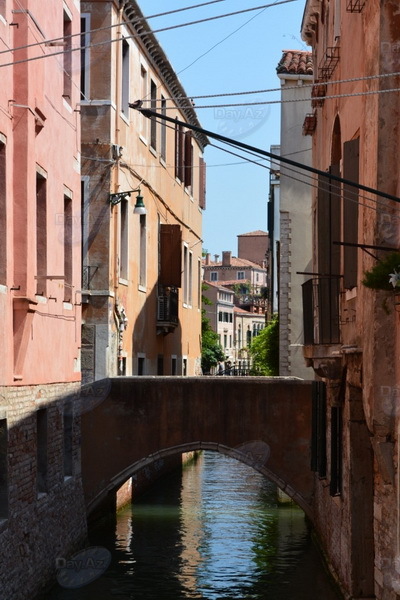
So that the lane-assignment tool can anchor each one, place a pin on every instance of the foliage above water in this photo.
(264, 349)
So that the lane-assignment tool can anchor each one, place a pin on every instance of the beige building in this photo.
(141, 267)
(295, 71)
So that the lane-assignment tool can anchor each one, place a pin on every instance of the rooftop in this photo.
(295, 62)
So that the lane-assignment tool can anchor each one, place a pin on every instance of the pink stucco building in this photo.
(39, 290)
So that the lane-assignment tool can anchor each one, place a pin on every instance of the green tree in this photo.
(211, 350)
(264, 349)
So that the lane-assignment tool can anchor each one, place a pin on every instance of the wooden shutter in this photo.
(179, 149)
(170, 255)
(188, 160)
(351, 151)
(318, 431)
(202, 183)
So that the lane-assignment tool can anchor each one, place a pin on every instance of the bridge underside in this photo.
(129, 423)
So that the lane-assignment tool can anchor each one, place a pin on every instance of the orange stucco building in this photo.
(141, 272)
(351, 331)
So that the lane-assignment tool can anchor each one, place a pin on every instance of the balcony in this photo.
(329, 63)
(310, 123)
(167, 309)
(322, 326)
(355, 6)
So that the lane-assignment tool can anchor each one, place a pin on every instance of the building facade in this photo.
(351, 331)
(295, 71)
(141, 272)
(42, 514)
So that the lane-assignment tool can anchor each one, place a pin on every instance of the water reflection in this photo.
(213, 532)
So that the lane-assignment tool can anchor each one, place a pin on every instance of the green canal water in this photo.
(214, 532)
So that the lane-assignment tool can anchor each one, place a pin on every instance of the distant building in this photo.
(221, 315)
(248, 279)
(295, 70)
(253, 246)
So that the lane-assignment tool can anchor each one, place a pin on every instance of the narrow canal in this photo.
(214, 532)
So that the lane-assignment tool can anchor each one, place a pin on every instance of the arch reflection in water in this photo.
(213, 532)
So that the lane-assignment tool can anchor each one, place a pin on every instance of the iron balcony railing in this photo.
(321, 310)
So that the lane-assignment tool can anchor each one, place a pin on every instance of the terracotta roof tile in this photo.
(296, 62)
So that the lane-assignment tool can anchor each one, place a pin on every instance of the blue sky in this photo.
(237, 190)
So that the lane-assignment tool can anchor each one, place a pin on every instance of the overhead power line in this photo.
(280, 89)
(138, 20)
(141, 34)
(281, 159)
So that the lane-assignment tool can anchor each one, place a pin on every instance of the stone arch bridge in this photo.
(130, 422)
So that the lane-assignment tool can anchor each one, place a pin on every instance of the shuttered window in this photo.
(179, 151)
(170, 255)
(202, 184)
(188, 161)
(351, 152)
(318, 430)
(336, 451)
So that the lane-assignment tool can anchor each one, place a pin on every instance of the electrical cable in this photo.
(108, 27)
(142, 34)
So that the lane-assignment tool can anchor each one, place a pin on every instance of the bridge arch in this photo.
(135, 422)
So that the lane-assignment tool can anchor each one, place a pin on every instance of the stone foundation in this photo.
(42, 508)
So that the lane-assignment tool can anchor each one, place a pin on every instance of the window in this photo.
(185, 281)
(125, 79)
(143, 251)
(179, 152)
(163, 149)
(173, 365)
(184, 366)
(41, 437)
(213, 276)
(68, 237)
(336, 451)
(143, 119)
(240, 275)
(170, 255)
(86, 275)
(3, 469)
(141, 365)
(220, 317)
(160, 364)
(68, 439)
(3, 213)
(225, 341)
(67, 58)
(187, 275)
(124, 240)
(85, 56)
(188, 161)
(153, 122)
(318, 428)
(351, 152)
(41, 234)
(202, 183)
(190, 279)
(198, 283)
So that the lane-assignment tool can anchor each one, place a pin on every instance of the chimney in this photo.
(216, 257)
(207, 261)
(226, 258)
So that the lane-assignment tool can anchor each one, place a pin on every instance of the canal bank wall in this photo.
(145, 478)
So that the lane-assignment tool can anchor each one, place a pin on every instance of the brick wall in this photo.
(40, 525)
